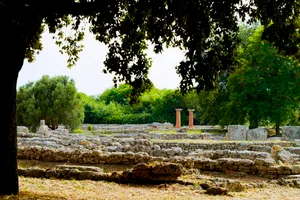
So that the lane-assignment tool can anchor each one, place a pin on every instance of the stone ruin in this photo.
(241, 132)
(156, 157)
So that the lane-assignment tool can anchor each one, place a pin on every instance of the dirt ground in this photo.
(54, 189)
(46, 189)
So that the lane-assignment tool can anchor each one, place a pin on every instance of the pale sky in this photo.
(87, 73)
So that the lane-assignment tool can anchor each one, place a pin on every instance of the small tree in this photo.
(54, 99)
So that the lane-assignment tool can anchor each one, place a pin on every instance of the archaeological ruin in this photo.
(160, 152)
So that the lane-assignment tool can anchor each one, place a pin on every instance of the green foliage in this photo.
(265, 87)
(90, 127)
(53, 99)
(78, 130)
(210, 106)
(154, 106)
(206, 30)
(118, 95)
(163, 110)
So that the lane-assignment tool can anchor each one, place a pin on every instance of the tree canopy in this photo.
(53, 99)
(265, 85)
(205, 30)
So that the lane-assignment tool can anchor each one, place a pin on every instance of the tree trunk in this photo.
(253, 124)
(8, 136)
(277, 130)
(12, 58)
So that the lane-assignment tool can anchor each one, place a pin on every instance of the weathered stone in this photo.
(279, 154)
(22, 129)
(271, 131)
(272, 170)
(284, 170)
(156, 147)
(156, 172)
(275, 138)
(297, 142)
(216, 191)
(259, 161)
(80, 168)
(35, 172)
(237, 132)
(261, 169)
(177, 150)
(257, 134)
(234, 186)
(296, 169)
(290, 132)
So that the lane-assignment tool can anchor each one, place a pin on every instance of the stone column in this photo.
(191, 118)
(42, 122)
(178, 118)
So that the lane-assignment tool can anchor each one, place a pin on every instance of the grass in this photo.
(152, 130)
(163, 131)
(189, 131)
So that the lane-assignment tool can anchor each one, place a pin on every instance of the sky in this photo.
(87, 73)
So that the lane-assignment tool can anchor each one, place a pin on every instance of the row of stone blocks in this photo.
(241, 132)
(260, 165)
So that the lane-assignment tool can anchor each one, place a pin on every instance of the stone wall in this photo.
(260, 165)
(230, 145)
(214, 155)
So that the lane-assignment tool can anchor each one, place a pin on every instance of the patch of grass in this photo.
(78, 130)
(216, 131)
(194, 131)
(102, 132)
(163, 131)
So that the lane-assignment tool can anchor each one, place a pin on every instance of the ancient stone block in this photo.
(237, 132)
(257, 134)
(22, 129)
(279, 154)
(290, 132)
(296, 169)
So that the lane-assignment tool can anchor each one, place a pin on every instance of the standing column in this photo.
(191, 118)
(42, 122)
(178, 118)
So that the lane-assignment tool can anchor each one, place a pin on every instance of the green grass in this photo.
(102, 132)
(164, 131)
(189, 131)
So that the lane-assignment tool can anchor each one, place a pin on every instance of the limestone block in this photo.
(237, 132)
(279, 154)
(296, 169)
(257, 134)
(274, 139)
(290, 132)
(22, 129)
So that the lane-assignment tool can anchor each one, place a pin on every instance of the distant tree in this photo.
(53, 99)
(118, 94)
(210, 106)
(163, 110)
(266, 85)
(89, 103)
